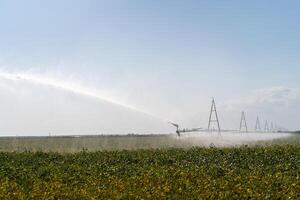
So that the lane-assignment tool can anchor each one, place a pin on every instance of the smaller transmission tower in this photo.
(213, 110)
(266, 126)
(257, 125)
(275, 127)
(243, 123)
(271, 127)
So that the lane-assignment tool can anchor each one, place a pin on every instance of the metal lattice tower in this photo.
(213, 109)
(257, 125)
(271, 127)
(275, 127)
(266, 126)
(243, 123)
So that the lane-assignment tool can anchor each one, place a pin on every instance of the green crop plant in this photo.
(270, 172)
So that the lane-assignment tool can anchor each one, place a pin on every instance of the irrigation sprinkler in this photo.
(177, 128)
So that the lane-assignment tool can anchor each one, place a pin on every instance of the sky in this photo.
(166, 58)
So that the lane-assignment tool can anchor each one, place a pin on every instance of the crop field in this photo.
(73, 144)
(150, 167)
(261, 172)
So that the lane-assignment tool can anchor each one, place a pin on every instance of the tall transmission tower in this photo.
(257, 125)
(266, 126)
(243, 123)
(213, 110)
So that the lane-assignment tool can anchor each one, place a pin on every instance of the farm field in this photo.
(230, 166)
(73, 144)
(149, 100)
(261, 172)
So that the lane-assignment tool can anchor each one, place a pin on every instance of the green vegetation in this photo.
(270, 172)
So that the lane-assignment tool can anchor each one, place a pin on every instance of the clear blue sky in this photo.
(161, 56)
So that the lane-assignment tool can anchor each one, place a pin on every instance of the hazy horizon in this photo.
(61, 60)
